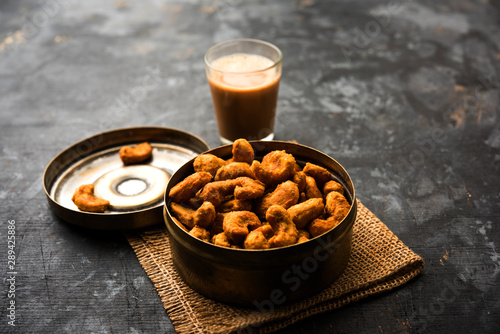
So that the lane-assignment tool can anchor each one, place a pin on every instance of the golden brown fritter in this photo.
(303, 213)
(200, 233)
(337, 206)
(312, 190)
(221, 239)
(183, 214)
(320, 174)
(300, 179)
(238, 223)
(217, 192)
(85, 200)
(235, 205)
(266, 229)
(243, 188)
(135, 154)
(234, 170)
(332, 186)
(204, 215)
(217, 225)
(193, 203)
(208, 163)
(256, 240)
(188, 187)
(303, 236)
(319, 226)
(247, 188)
(285, 231)
(286, 194)
(242, 151)
(276, 167)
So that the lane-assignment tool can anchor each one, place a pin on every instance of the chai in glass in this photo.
(244, 77)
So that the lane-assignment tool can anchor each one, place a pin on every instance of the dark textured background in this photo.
(404, 94)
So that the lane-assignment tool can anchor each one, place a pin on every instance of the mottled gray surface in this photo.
(404, 94)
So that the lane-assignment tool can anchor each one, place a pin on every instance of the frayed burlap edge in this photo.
(379, 262)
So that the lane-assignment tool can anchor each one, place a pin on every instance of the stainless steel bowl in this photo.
(264, 278)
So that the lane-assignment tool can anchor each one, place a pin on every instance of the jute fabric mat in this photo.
(379, 262)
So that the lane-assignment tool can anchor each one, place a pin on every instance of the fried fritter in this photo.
(285, 231)
(319, 226)
(203, 216)
(303, 236)
(234, 228)
(85, 200)
(208, 163)
(320, 174)
(332, 186)
(243, 188)
(276, 167)
(216, 192)
(217, 225)
(235, 205)
(188, 187)
(135, 154)
(237, 225)
(300, 178)
(242, 151)
(303, 213)
(337, 206)
(183, 214)
(234, 170)
(256, 240)
(247, 188)
(200, 233)
(266, 229)
(221, 239)
(286, 194)
(193, 203)
(312, 190)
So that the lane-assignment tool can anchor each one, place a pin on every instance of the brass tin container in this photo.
(138, 189)
(264, 278)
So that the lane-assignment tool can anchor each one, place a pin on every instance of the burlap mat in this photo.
(379, 262)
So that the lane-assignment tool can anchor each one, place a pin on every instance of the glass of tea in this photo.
(244, 76)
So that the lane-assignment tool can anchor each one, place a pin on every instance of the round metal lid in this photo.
(135, 192)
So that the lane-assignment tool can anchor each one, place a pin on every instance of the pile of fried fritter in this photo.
(249, 204)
